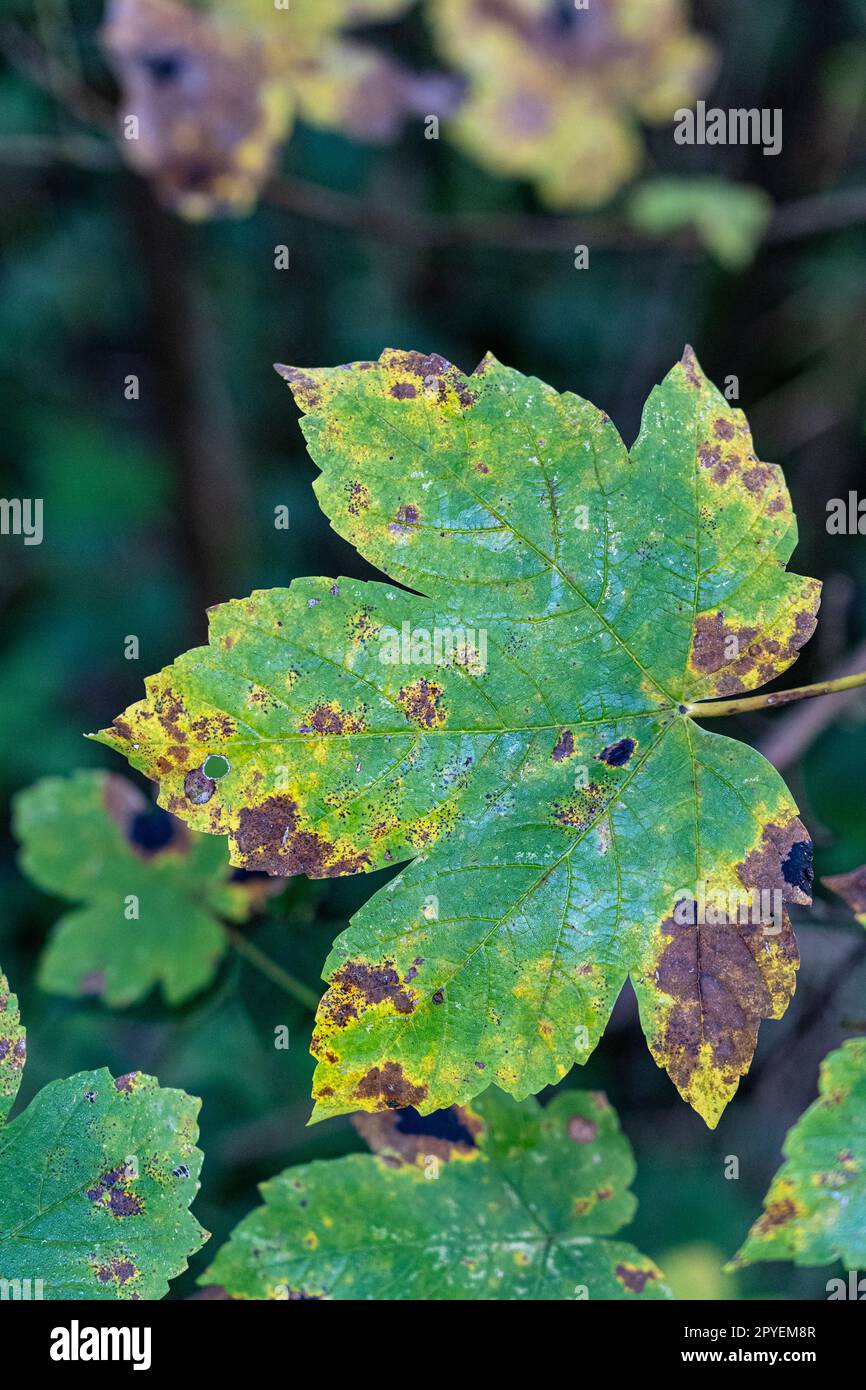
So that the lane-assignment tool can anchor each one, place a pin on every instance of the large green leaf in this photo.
(520, 727)
(503, 1201)
(815, 1210)
(149, 916)
(96, 1177)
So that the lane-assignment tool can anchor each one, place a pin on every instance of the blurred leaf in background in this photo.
(729, 219)
(210, 90)
(500, 1201)
(557, 91)
(152, 894)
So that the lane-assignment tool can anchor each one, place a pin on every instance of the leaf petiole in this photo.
(717, 709)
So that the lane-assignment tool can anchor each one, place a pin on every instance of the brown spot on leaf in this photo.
(305, 388)
(404, 390)
(582, 1130)
(359, 498)
(634, 1279)
(389, 1087)
(691, 368)
(564, 746)
(113, 1192)
(777, 1213)
(759, 477)
(741, 653)
(331, 719)
(120, 1270)
(357, 985)
(269, 838)
(617, 754)
(715, 976)
(581, 809)
(197, 787)
(714, 641)
(420, 364)
(422, 703)
(723, 428)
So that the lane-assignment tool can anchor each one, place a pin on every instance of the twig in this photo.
(719, 709)
(275, 973)
(31, 60)
(803, 217)
(822, 212)
(800, 218)
(798, 729)
(417, 229)
(36, 150)
(195, 410)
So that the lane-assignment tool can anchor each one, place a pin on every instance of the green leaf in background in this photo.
(729, 219)
(519, 727)
(815, 1210)
(503, 1201)
(96, 1178)
(150, 912)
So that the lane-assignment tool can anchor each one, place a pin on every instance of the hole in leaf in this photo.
(215, 766)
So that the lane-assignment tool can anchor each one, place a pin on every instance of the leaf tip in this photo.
(692, 367)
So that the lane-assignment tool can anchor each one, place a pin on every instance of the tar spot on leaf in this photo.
(564, 746)
(617, 754)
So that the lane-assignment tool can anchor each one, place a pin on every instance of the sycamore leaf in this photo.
(556, 92)
(96, 1178)
(214, 89)
(519, 727)
(815, 1210)
(502, 1201)
(728, 218)
(851, 888)
(149, 912)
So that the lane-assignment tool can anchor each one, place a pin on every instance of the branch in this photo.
(718, 709)
(800, 218)
(275, 973)
(803, 217)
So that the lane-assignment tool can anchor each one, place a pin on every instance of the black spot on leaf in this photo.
(617, 754)
(797, 868)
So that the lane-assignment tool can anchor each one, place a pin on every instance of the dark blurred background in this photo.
(159, 507)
